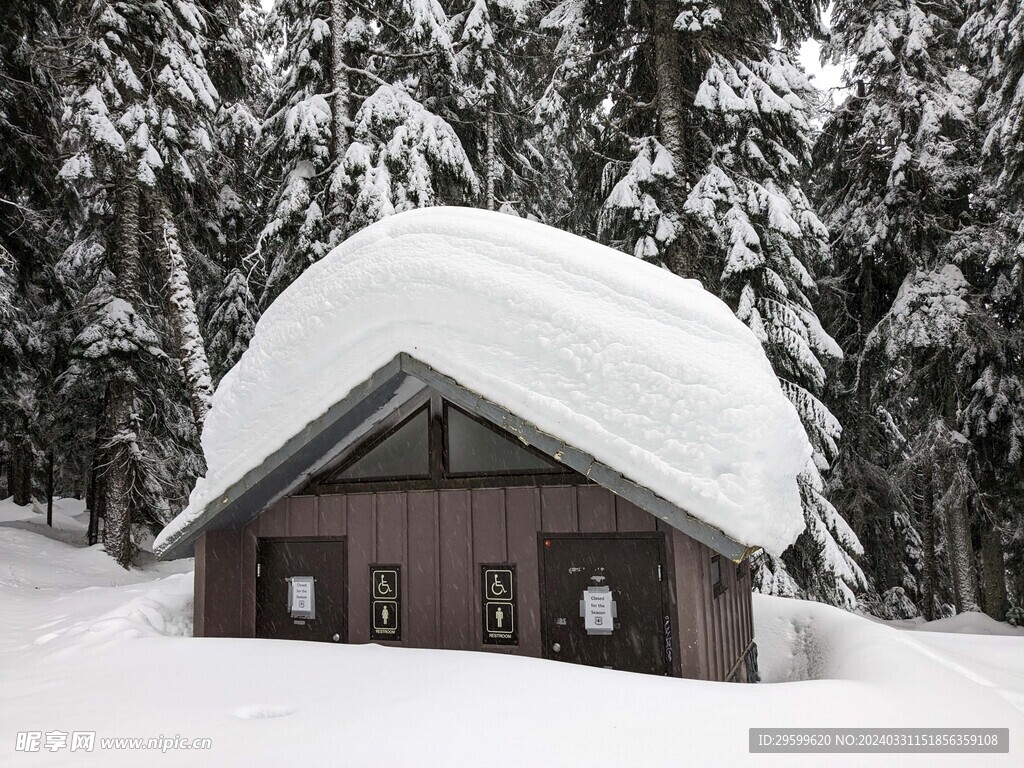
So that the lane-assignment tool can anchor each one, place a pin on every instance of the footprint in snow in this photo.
(262, 712)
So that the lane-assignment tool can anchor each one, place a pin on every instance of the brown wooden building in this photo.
(417, 513)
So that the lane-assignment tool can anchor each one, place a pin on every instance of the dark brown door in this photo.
(280, 561)
(603, 602)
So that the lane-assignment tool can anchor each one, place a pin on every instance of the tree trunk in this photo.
(341, 107)
(117, 483)
(118, 476)
(491, 203)
(184, 319)
(92, 498)
(21, 469)
(929, 569)
(49, 489)
(994, 571)
(860, 442)
(961, 551)
(671, 121)
(240, 183)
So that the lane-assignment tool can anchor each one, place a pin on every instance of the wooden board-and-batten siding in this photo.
(440, 537)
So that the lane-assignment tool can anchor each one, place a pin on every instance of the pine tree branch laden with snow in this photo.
(631, 206)
(232, 323)
(415, 168)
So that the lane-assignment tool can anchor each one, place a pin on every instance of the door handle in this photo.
(556, 647)
(336, 637)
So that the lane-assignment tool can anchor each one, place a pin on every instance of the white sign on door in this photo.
(598, 610)
(301, 597)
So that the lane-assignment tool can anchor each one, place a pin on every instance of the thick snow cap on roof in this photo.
(645, 371)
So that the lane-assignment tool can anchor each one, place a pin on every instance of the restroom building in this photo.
(465, 431)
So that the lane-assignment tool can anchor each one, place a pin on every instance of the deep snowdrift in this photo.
(647, 372)
(85, 645)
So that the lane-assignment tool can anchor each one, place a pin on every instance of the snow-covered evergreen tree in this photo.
(924, 339)
(751, 204)
(299, 130)
(15, 437)
(30, 232)
(238, 70)
(139, 133)
(992, 255)
(713, 118)
(894, 169)
(340, 166)
(421, 160)
(504, 67)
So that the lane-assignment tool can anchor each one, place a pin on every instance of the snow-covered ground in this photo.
(86, 646)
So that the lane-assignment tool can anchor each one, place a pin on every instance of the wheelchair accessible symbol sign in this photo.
(499, 584)
(499, 605)
(386, 611)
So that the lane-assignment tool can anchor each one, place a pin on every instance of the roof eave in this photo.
(290, 464)
(286, 469)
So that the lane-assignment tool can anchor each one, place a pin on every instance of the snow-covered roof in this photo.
(646, 372)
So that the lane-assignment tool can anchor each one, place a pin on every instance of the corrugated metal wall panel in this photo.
(360, 546)
(390, 529)
(558, 509)
(274, 522)
(247, 610)
(218, 582)
(457, 610)
(422, 581)
(331, 515)
(523, 520)
(302, 516)
(596, 509)
(629, 517)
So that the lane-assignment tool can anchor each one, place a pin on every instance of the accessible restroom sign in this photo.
(498, 596)
(385, 602)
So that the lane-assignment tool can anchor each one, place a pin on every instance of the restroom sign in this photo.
(498, 604)
(385, 602)
(500, 618)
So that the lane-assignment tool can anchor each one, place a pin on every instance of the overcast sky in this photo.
(825, 78)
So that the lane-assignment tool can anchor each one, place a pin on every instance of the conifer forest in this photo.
(169, 167)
